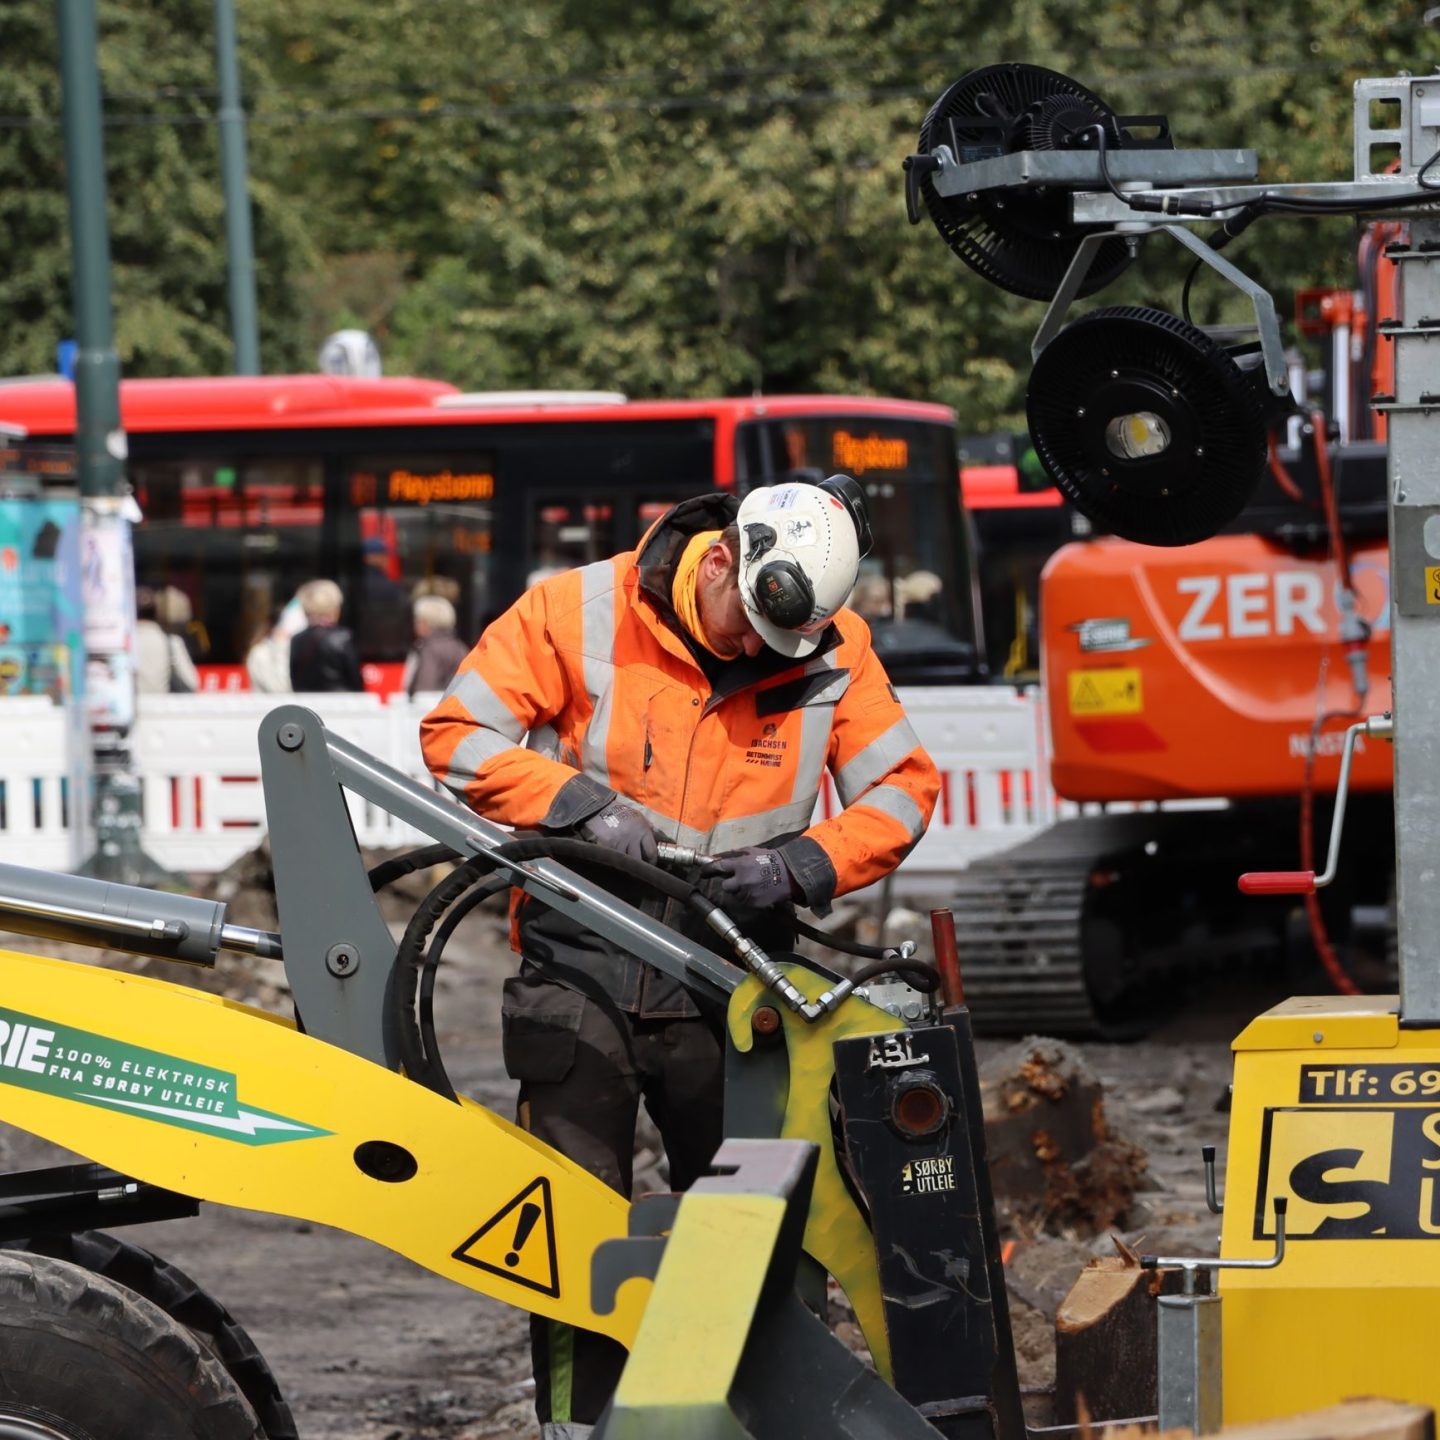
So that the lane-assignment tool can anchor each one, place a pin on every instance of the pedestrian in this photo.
(693, 689)
(162, 663)
(267, 660)
(323, 655)
(382, 604)
(438, 650)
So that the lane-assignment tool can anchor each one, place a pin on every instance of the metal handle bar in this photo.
(1305, 882)
(1192, 1263)
(1212, 1196)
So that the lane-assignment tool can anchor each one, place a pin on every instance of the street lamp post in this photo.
(107, 558)
(239, 240)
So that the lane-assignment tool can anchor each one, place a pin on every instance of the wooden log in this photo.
(1105, 1341)
(1352, 1420)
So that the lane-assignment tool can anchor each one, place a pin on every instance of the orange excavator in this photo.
(1197, 698)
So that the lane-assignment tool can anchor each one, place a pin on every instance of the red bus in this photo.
(251, 486)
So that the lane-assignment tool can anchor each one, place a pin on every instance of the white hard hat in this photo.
(800, 550)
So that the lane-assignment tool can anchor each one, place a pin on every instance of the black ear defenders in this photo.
(852, 497)
(784, 594)
(783, 591)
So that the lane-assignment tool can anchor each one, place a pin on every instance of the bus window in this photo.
(419, 522)
(647, 512)
(252, 485)
(914, 586)
(237, 534)
(567, 531)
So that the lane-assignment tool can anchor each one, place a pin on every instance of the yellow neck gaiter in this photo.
(685, 590)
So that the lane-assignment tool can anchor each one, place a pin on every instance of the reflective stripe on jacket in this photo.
(592, 667)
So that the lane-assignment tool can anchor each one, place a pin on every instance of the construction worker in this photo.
(694, 690)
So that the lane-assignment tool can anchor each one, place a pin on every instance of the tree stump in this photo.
(1054, 1163)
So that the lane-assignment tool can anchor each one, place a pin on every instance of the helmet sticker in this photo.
(797, 532)
(782, 497)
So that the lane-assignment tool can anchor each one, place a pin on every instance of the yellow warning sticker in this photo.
(1105, 692)
(518, 1241)
(1432, 584)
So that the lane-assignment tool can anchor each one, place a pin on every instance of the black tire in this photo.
(168, 1287)
(84, 1359)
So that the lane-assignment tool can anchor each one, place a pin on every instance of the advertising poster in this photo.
(107, 579)
(41, 605)
(107, 592)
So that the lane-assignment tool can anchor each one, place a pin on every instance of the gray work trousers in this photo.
(583, 1068)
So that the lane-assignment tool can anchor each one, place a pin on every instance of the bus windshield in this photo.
(914, 586)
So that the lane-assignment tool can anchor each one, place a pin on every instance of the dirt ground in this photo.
(367, 1346)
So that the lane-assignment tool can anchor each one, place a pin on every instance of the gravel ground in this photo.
(369, 1347)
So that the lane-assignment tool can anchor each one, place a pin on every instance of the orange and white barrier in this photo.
(203, 804)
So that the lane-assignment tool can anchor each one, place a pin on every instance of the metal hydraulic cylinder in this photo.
(127, 917)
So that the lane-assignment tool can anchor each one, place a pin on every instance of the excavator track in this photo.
(1085, 929)
(1018, 928)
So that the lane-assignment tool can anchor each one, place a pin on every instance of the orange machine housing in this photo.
(1199, 672)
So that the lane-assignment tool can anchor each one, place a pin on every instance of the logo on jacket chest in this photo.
(765, 749)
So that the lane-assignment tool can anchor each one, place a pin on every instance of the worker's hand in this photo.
(621, 827)
(758, 878)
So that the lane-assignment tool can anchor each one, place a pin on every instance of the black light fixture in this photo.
(1022, 240)
(1152, 429)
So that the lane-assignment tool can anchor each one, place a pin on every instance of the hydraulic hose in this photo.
(834, 942)
(429, 1042)
(398, 866)
(568, 848)
(472, 882)
(417, 964)
(920, 973)
(409, 960)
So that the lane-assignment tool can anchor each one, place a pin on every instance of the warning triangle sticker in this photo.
(518, 1241)
(1087, 697)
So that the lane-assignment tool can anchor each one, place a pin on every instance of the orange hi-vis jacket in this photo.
(615, 699)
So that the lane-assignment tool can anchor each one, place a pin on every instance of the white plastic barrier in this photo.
(35, 784)
(990, 745)
(199, 759)
(204, 806)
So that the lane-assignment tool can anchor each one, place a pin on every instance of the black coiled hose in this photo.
(473, 882)
(411, 957)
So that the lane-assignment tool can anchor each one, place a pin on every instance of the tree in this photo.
(708, 195)
(690, 196)
(165, 207)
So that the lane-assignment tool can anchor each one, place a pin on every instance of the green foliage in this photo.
(690, 196)
(165, 213)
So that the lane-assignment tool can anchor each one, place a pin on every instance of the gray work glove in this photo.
(753, 876)
(621, 827)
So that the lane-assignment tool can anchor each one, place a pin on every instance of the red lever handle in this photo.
(1278, 882)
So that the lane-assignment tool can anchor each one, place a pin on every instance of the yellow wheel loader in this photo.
(851, 1112)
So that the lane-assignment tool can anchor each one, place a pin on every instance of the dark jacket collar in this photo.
(664, 543)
